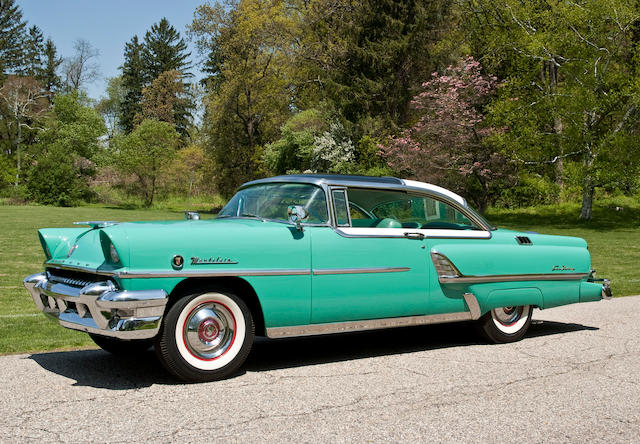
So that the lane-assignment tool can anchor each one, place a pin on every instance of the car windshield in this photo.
(271, 201)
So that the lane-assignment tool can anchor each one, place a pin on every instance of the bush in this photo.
(530, 190)
(54, 181)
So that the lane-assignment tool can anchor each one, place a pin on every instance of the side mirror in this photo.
(297, 214)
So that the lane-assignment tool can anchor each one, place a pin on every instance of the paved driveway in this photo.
(574, 378)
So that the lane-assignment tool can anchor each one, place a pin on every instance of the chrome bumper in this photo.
(99, 307)
(606, 290)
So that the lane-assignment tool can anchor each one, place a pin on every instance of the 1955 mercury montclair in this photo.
(303, 255)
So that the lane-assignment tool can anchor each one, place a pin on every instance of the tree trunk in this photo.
(18, 154)
(588, 190)
(557, 125)
(588, 187)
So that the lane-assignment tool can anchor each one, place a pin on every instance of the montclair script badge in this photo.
(195, 260)
(562, 268)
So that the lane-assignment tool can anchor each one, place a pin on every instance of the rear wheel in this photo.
(205, 336)
(505, 324)
(120, 347)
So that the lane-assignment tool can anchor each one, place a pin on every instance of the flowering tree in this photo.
(448, 144)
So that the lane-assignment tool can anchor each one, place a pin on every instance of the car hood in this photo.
(228, 243)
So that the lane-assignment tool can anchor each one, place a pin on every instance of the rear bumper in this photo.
(99, 307)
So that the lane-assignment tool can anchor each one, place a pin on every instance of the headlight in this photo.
(115, 258)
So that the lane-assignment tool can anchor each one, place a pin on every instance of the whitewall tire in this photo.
(206, 336)
(506, 324)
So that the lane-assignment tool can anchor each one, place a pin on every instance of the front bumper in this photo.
(99, 307)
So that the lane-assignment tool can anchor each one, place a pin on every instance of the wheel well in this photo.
(236, 285)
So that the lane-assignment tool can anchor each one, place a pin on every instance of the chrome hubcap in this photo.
(507, 315)
(209, 330)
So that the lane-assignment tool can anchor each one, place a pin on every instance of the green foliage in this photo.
(54, 180)
(530, 190)
(32, 53)
(143, 155)
(48, 76)
(7, 172)
(571, 88)
(63, 156)
(109, 107)
(293, 151)
(11, 36)
(132, 82)
(245, 110)
(163, 50)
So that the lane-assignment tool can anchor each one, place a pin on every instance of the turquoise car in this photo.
(303, 255)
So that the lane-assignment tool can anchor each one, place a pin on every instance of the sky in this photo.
(107, 25)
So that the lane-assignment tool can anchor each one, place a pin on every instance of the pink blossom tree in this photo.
(448, 145)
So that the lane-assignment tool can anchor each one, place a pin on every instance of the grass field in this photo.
(614, 242)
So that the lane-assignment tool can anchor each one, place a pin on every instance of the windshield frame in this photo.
(319, 188)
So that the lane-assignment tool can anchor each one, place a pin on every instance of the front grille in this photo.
(73, 278)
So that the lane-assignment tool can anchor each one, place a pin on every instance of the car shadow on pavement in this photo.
(99, 369)
(269, 354)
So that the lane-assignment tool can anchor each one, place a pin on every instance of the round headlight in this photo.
(114, 254)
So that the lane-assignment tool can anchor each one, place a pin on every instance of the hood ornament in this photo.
(97, 223)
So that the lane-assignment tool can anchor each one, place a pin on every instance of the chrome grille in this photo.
(73, 279)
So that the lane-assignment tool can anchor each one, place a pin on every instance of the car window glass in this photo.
(271, 201)
(340, 203)
(397, 209)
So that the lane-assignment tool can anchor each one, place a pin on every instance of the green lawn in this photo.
(614, 242)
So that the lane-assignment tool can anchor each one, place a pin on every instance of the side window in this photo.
(397, 209)
(342, 212)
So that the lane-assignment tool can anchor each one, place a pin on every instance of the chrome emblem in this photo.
(562, 268)
(177, 262)
(195, 260)
(72, 249)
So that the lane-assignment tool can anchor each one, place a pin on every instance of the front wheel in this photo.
(205, 336)
(505, 324)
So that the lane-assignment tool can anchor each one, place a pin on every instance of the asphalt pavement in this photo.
(575, 377)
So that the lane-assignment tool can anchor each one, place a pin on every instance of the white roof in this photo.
(435, 188)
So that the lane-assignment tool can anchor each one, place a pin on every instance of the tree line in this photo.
(510, 103)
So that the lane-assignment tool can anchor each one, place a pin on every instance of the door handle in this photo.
(416, 236)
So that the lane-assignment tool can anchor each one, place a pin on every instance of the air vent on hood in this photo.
(524, 240)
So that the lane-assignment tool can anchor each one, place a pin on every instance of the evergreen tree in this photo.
(33, 50)
(132, 82)
(48, 76)
(164, 50)
(11, 35)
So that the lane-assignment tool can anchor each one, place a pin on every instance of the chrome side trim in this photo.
(372, 324)
(124, 274)
(454, 276)
(512, 278)
(473, 305)
(325, 271)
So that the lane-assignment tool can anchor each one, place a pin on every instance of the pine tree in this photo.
(11, 35)
(48, 76)
(33, 50)
(164, 50)
(132, 83)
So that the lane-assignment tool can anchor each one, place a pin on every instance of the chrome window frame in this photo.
(334, 209)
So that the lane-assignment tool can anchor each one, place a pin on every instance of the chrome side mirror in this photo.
(297, 214)
(191, 215)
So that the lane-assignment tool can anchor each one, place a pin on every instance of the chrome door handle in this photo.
(416, 236)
